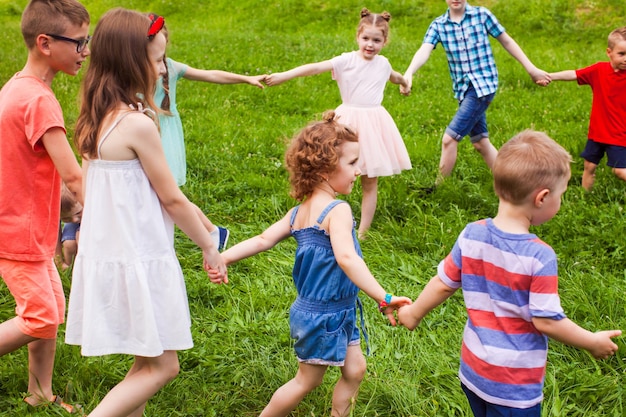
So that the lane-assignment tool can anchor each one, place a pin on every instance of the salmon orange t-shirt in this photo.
(30, 186)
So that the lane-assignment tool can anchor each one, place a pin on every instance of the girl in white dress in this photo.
(128, 293)
(361, 76)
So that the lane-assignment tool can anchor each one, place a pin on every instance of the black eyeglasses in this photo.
(81, 44)
(156, 24)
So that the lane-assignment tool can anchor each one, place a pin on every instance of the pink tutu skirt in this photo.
(382, 150)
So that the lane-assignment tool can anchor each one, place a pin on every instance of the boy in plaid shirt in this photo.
(464, 33)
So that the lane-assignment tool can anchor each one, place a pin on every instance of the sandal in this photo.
(70, 408)
(57, 400)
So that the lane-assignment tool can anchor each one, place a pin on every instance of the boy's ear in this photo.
(42, 43)
(541, 196)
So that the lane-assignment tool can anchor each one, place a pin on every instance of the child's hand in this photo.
(257, 81)
(407, 318)
(215, 266)
(540, 77)
(395, 304)
(274, 79)
(604, 346)
(405, 89)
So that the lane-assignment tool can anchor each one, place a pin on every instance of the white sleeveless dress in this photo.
(128, 293)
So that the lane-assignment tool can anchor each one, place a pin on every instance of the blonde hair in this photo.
(119, 72)
(379, 21)
(529, 161)
(314, 153)
(51, 16)
(616, 36)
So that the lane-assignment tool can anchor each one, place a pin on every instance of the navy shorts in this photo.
(69, 231)
(482, 408)
(470, 118)
(594, 151)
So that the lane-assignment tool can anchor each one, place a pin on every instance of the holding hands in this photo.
(540, 77)
(215, 266)
(393, 303)
(275, 79)
(405, 89)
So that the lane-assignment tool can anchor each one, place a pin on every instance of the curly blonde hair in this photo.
(314, 153)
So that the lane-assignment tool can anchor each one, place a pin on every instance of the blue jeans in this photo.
(470, 118)
(482, 408)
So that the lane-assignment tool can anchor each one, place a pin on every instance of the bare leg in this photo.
(287, 397)
(347, 388)
(368, 206)
(620, 173)
(448, 157)
(40, 366)
(487, 151)
(40, 376)
(589, 175)
(144, 379)
(70, 247)
(11, 338)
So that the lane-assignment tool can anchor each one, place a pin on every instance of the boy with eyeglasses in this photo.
(35, 157)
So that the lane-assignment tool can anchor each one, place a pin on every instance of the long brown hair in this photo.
(119, 72)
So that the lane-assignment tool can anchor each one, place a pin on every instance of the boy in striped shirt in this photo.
(510, 285)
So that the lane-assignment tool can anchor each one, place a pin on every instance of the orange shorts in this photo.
(38, 293)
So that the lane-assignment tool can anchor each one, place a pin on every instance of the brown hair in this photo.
(616, 36)
(379, 21)
(528, 162)
(314, 152)
(165, 79)
(68, 201)
(51, 16)
(119, 72)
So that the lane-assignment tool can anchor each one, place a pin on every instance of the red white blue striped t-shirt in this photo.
(506, 279)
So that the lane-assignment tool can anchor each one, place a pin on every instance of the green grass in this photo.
(236, 137)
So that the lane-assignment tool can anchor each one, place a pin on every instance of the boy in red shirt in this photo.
(35, 156)
(607, 124)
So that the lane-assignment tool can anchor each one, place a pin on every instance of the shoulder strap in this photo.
(328, 208)
(118, 120)
(293, 215)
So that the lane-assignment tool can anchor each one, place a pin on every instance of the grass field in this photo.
(235, 139)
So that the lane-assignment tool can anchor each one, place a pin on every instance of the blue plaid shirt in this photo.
(467, 47)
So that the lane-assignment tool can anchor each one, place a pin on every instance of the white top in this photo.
(128, 293)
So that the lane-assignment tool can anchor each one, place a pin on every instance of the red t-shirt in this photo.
(607, 123)
(30, 186)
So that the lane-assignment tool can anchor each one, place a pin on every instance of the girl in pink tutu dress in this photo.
(361, 76)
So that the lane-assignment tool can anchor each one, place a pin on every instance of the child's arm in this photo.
(301, 71)
(599, 344)
(419, 59)
(433, 294)
(539, 76)
(259, 243)
(222, 77)
(64, 160)
(340, 231)
(397, 78)
(568, 75)
(145, 141)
